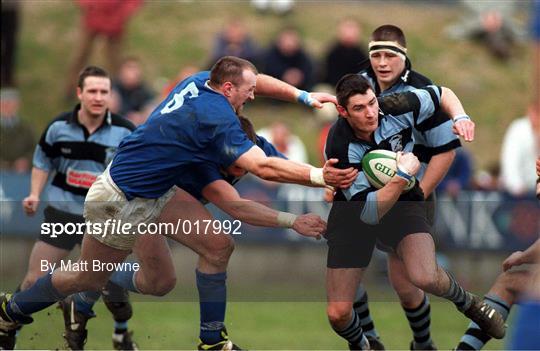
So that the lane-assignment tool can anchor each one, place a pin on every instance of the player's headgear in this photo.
(388, 38)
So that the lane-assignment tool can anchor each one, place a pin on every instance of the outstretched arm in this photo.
(225, 196)
(531, 255)
(285, 171)
(277, 89)
(463, 126)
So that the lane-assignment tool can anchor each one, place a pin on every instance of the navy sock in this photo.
(36, 298)
(457, 294)
(85, 301)
(353, 332)
(213, 302)
(362, 308)
(420, 320)
(125, 279)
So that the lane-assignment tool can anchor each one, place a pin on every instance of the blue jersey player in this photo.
(361, 215)
(195, 125)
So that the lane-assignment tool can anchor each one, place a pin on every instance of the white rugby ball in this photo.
(380, 166)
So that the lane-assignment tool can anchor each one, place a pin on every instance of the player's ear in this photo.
(79, 92)
(342, 111)
(227, 88)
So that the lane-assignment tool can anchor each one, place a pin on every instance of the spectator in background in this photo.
(106, 18)
(285, 142)
(234, 40)
(133, 96)
(10, 26)
(16, 136)
(346, 53)
(492, 23)
(520, 149)
(288, 61)
(185, 72)
(459, 176)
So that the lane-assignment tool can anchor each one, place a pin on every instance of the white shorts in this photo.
(105, 201)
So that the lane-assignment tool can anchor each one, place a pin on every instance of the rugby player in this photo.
(76, 146)
(377, 215)
(389, 71)
(195, 125)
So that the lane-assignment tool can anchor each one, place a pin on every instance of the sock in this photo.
(125, 279)
(474, 338)
(120, 327)
(85, 301)
(36, 298)
(362, 309)
(212, 302)
(353, 332)
(457, 294)
(419, 320)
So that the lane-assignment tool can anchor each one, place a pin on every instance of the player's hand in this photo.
(30, 204)
(408, 163)
(310, 225)
(336, 177)
(329, 194)
(318, 99)
(465, 129)
(514, 259)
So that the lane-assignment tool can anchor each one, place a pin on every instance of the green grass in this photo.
(168, 35)
(279, 326)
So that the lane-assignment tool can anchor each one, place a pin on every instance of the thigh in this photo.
(184, 207)
(342, 283)
(43, 251)
(154, 254)
(417, 251)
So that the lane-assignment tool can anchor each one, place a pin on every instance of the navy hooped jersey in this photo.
(432, 137)
(75, 157)
(399, 114)
(194, 125)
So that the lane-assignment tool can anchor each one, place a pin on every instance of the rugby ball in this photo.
(380, 166)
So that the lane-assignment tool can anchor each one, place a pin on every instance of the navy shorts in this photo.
(63, 240)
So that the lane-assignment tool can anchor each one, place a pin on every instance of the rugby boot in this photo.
(7, 339)
(363, 344)
(488, 319)
(75, 334)
(431, 346)
(375, 343)
(124, 341)
(225, 344)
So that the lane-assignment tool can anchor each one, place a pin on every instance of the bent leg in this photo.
(341, 287)
(41, 251)
(414, 302)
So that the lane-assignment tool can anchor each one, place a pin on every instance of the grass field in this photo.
(265, 326)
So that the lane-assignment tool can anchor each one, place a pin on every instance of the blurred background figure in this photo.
(459, 175)
(10, 27)
(492, 23)
(105, 18)
(520, 148)
(235, 40)
(346, 52)
(285, 142)
(184, 72)
(280, 7)
(133, 97)
(488, 179)
(287, 60)
(16, 136)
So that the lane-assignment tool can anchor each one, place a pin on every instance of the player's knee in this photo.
(164, 285)
(424, 279)
(219, 253)
(29, 280)
(339, 314)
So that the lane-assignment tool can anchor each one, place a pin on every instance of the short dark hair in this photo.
(91, 71)
(248, 128)
(350, 85)
(230, 69)
(389, 32)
